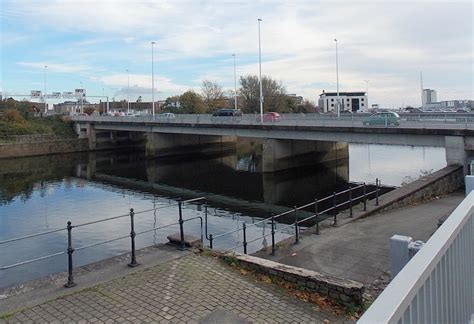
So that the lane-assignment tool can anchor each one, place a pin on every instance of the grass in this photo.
(32, 126)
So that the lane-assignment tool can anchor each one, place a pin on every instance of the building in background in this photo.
(349, 101)
(429, 96)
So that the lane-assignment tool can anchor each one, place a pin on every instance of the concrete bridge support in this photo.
(286, 154)
(459, 150)
(167, 145)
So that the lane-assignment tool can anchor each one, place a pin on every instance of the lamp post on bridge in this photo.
(235, 85)
(337, 83)
(260, 71)
(152, 82)
(128, 92)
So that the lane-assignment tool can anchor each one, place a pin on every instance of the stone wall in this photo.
(43, 148)
(441, 182)
(344, 291)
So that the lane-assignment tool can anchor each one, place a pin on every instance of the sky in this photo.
(91, 45)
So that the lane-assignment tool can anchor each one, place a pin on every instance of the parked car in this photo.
(270, 117)
(383, 119)
(231, 115)
(166, 116)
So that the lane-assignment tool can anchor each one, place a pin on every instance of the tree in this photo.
(306, 107)
(191, 103)
(171, 104)
(213, 95)
(139, 99)
(273, 94)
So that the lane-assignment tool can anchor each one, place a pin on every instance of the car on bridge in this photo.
(270, 117)
(227, 115)
(166, 116)
(387, 118)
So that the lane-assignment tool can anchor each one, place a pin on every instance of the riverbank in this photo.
(43, 147)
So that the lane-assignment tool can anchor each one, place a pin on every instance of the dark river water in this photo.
(42, 193)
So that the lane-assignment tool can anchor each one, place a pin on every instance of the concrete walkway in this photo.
(359, 250)
(192, 288)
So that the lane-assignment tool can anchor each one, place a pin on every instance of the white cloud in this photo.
(55, 67)
(142, 82)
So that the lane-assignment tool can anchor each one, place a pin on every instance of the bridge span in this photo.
(283, 141)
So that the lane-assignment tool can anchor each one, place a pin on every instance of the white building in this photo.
(349, 101)
(429, 96)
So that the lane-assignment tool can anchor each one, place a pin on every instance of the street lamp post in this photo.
(82, 99)
(260, 71)
(367, 93)
(44, 96)
(152, 81)
(337, 83)
(128, 92)
(235, 84)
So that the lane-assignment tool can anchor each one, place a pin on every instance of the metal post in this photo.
(181, 231)
(205, 218)
(273, 235)
(350, 200)
(316, 212)
(244, 230)
(210, 241)
(376, 191)
(133, 262)
(70, 278)
(334, 196)
(297, 234)
(365, 198)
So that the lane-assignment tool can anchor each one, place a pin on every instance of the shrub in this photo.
(14, 115)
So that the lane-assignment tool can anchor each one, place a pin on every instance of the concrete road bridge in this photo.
(294, 141)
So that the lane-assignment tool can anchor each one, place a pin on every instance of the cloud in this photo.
(141, 83)
(55, 67)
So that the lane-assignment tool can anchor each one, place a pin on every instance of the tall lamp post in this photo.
(82, 99)
(337, 83)
(367, 93)
(235, 84)
(44, 96)
(152, 82)
(260, 71)
(128, 91)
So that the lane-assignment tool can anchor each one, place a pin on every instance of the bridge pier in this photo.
(167, 145)
(459, 150)
(287, 154)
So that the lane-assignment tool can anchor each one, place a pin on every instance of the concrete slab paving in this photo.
(359, 250)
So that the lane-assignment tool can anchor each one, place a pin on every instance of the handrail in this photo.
(32, 235)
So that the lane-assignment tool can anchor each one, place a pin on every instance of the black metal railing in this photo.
(318, 215)
(133, 261)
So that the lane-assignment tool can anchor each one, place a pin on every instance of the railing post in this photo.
(244, 230)
(297, 232)
(273, 235)
(210, 241)
(205, 218)
(316, 212)
(133, 262)
(70, 277)
(376, 191)
(181, 229)
(334, 196)
(350, 201)
(365, 197)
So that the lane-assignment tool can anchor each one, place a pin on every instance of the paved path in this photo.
(360, 250)
(192, 288)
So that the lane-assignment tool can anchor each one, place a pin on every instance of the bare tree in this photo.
(213, 95)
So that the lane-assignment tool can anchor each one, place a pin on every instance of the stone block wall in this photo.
(43, 148)
(343, 291)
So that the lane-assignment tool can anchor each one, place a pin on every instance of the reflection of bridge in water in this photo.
(254, 194)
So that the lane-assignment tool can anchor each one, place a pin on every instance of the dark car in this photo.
(227, 115)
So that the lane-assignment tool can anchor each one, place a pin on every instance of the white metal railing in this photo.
(437, 285)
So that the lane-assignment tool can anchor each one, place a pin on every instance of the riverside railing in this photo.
(437, 284)
(133, 261)
(318, 216)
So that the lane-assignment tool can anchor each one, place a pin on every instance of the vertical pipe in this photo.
(350, 201)
(376, 191)
(70, 278)
(133, 262)
(210, 241)
(244, 230)
(334, 201)
(273, 235)
(365, 197)
(316, 212)
(181, 230)
(297, 234)
(205, 219)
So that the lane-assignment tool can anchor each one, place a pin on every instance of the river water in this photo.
(43, 193)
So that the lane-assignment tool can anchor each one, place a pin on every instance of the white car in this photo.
(166, 116)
